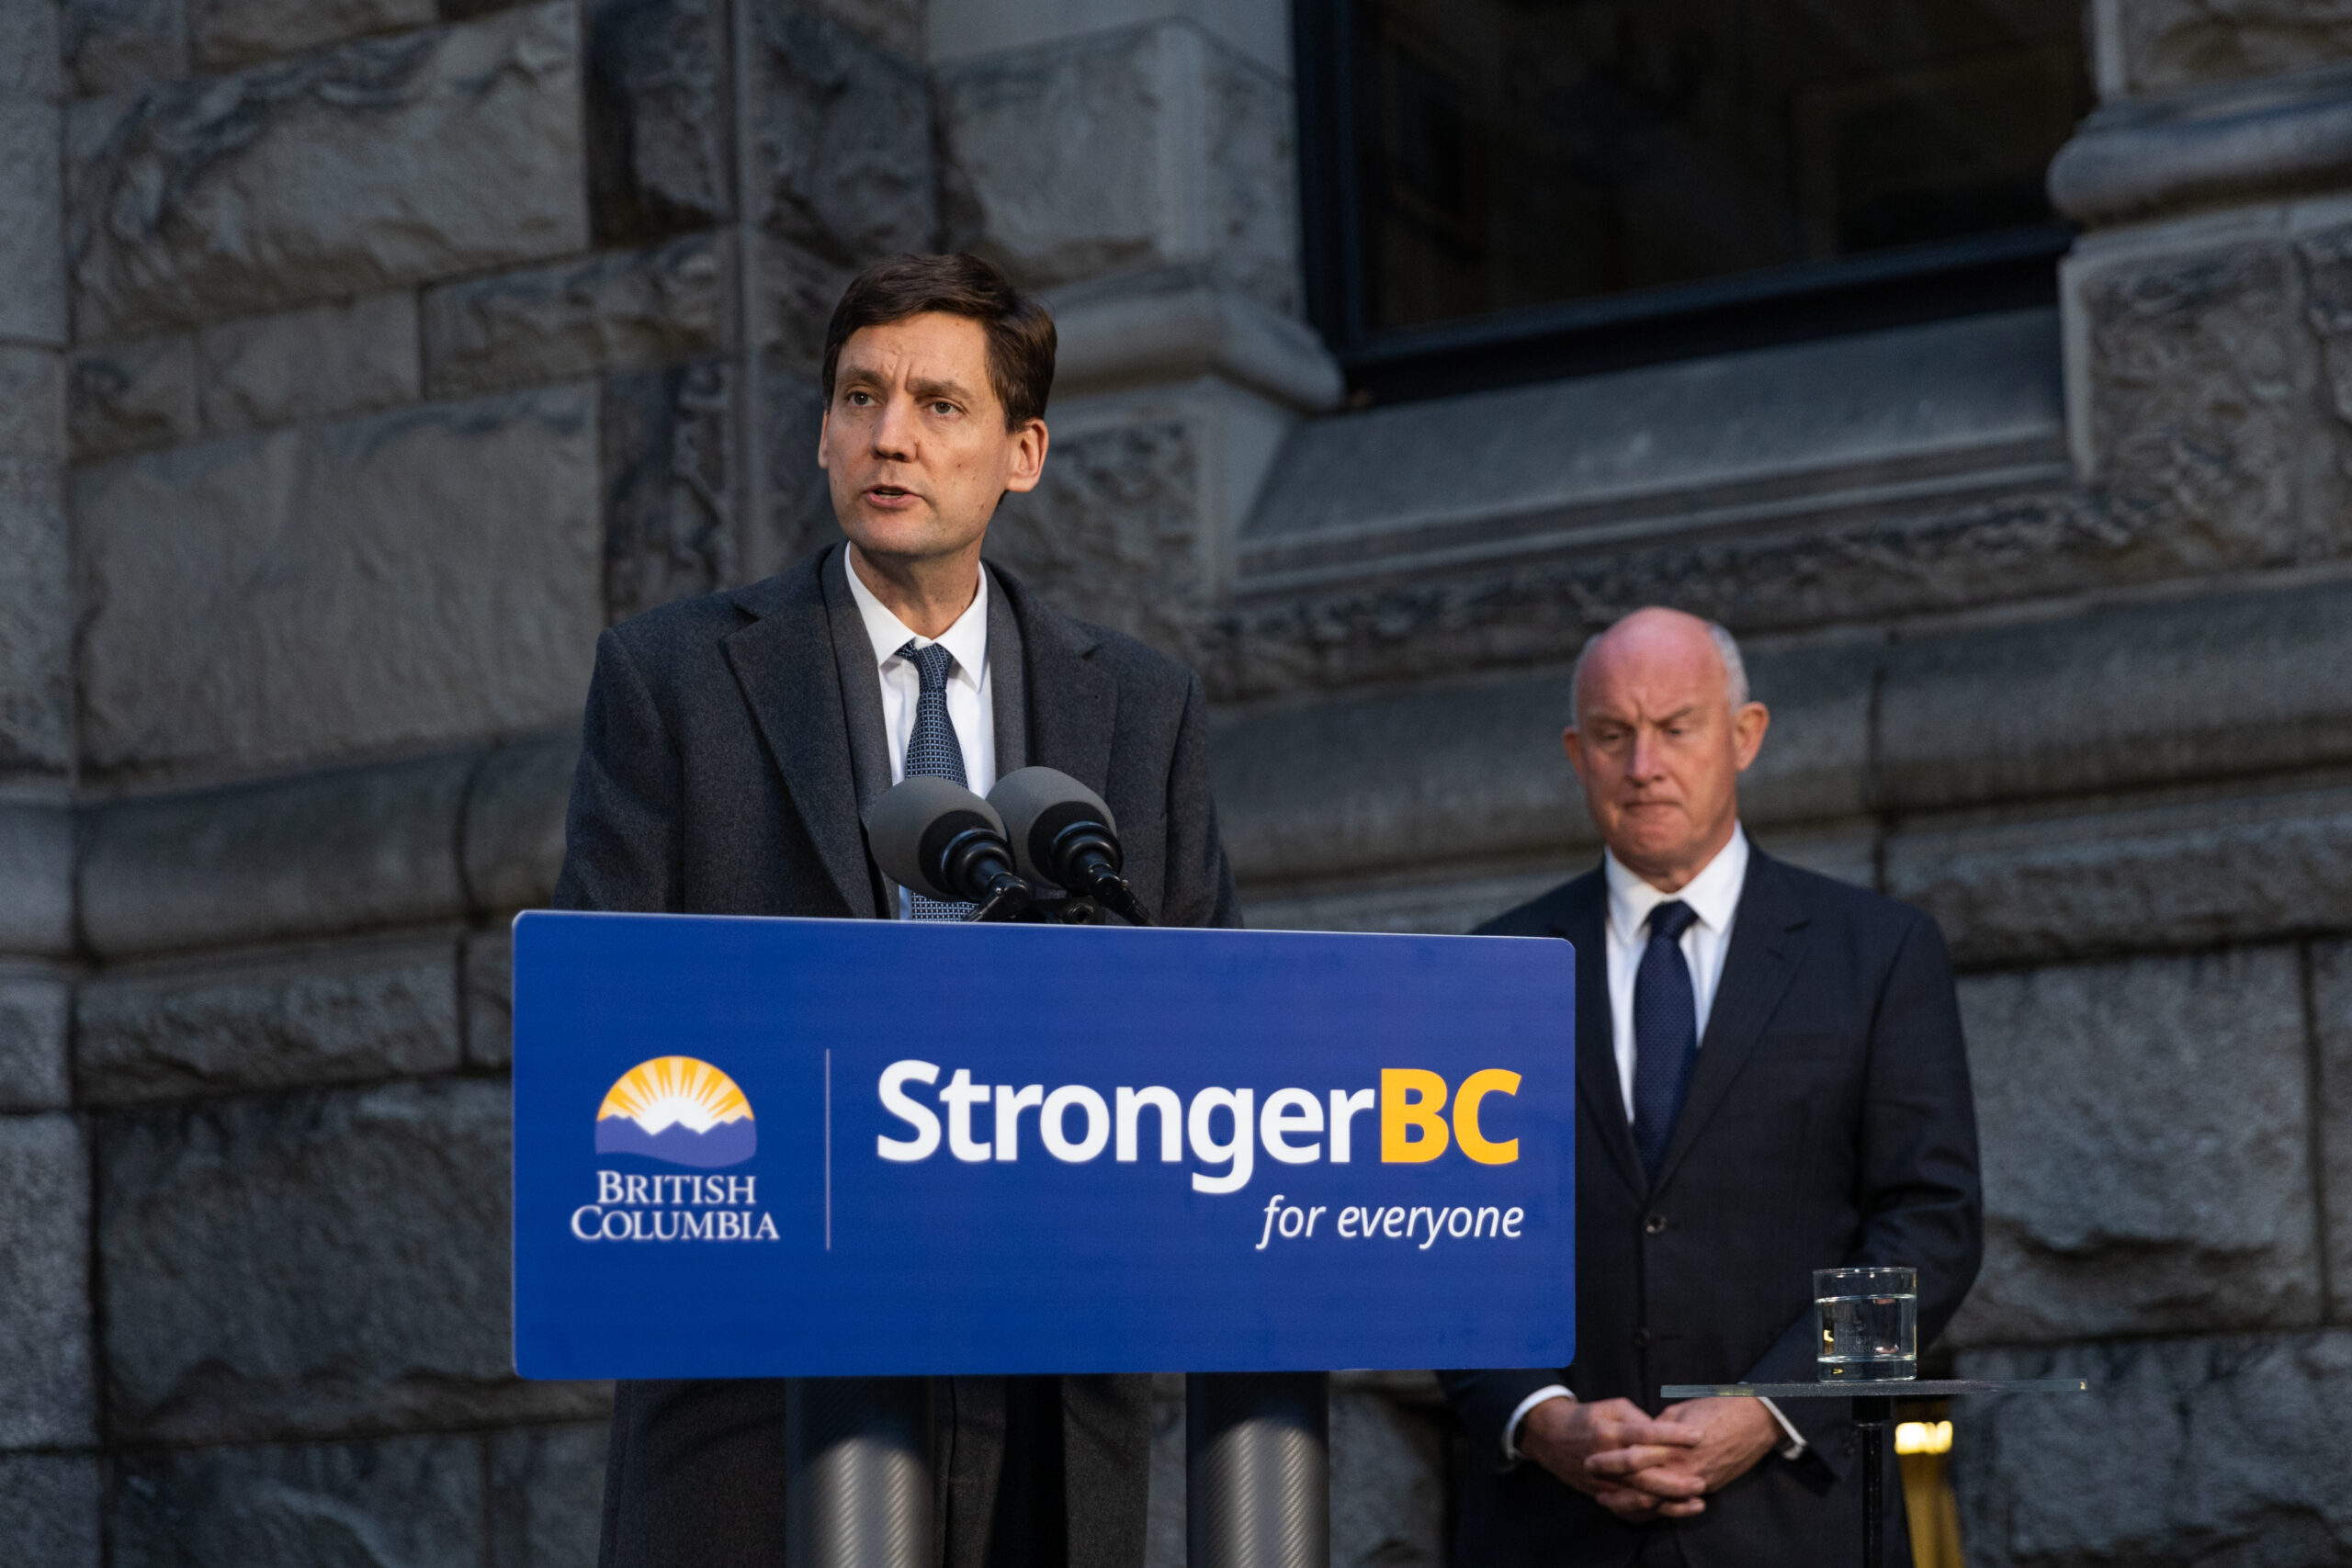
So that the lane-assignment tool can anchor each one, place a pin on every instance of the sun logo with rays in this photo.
(677, 1109)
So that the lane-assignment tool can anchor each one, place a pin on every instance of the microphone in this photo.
(1062, 833)
(944, 841)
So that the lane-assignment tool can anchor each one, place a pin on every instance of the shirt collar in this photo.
(967, 639)
(1713, 895)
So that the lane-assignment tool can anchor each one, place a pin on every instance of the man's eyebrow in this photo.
(921, 388)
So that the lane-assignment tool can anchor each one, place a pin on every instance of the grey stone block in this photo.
(1063, 157)
(395, 1501)
(313, 1265)
(2175, 44)
(1445, 903)
(355, 168)
(33, 1013)
(841, 141)
(1173, 325)
(2217, 686)
(283, 861)
(49, 1510)
(2191, 370)
(121, 46)
(515, 822)
(2185, 1451)
(35, 620)
(896, 24)
(1440, 773)
(1956, 409)
(32, 403)
(1388, 1485)
(547, 1489)
(130, 396)
(667, 441)
(352, 1016)
(657, 142)
(427, 574)
(2136, 158)
(47, 1395)
(2331, 1018)
(32, 281)
(37, 878)
(792, 295)
(316, 362)
(1115, 524)
(229, 33)
(799, 517)
(29, 47)
(2146, 1128)
(2110, 877)
(620, 310)
(490, 997)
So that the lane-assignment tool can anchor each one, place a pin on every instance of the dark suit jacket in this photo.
(1828, 1122)
(731, 745)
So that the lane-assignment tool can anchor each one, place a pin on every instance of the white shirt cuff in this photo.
(1510, 1428)
(1795, 1445)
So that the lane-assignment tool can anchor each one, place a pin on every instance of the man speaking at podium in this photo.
(1769, 1081)
(732, 744)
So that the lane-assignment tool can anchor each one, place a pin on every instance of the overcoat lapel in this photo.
(1008, 681)
(1767, 941)
(1073, 703)
(1597, 1092)
(784, 662)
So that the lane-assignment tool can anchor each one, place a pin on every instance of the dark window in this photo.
(1508, 187)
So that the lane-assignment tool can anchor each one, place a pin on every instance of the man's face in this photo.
(1657, 746)
(914, 443)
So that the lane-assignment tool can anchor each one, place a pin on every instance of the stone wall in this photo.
(359, 361)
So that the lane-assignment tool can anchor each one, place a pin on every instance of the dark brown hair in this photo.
(1020, 332)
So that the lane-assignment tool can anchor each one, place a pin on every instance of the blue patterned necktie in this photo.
(1666, 1034)
(933, 753)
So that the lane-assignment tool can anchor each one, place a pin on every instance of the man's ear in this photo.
(1748, 727)
(1576, 755)
(1028, 465)
(823, 425)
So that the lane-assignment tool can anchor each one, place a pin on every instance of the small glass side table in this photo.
(1873, 1410)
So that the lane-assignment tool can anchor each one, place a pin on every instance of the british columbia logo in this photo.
(679, 1110)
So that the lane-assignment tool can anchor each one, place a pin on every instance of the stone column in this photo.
(1134, 159)
(49, 1474)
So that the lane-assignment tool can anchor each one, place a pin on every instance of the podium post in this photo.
(858, 1488)
(1257, 1469)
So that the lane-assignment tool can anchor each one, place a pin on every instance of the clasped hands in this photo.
(1641, 1467)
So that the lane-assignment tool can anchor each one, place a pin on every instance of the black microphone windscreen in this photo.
(1028, 800)
(896, 826)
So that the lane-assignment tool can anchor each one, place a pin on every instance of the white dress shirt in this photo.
(971, 700)
(1714, 897)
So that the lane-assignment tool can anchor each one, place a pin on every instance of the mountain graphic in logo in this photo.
(679, 1110)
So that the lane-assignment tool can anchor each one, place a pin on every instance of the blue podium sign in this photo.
(782, 1147)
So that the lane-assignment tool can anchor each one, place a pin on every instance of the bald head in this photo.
(1657, 627)
(1662, 730)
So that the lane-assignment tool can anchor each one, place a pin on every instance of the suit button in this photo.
(1641, 1340)
(1653, 1224)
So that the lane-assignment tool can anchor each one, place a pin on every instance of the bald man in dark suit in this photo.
(1770, 1079)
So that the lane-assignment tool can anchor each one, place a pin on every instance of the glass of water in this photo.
(1870, 1323)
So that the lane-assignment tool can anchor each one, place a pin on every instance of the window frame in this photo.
(2000, 271)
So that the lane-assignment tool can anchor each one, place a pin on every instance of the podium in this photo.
(881, 1152)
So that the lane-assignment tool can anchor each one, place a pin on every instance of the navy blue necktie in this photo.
(1666, 1034)
(933, 752)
